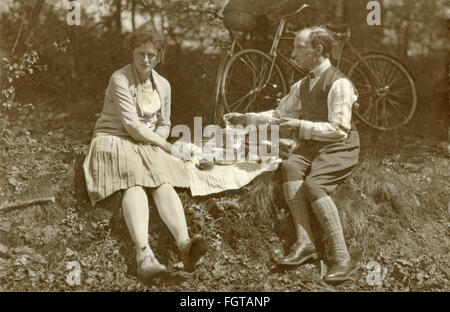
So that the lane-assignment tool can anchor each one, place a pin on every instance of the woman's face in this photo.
(145, 58)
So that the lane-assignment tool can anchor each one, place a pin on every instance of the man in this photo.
(317, 113)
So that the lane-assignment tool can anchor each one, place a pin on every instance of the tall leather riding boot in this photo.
(328, 216)
(303, 249)
(298, 205)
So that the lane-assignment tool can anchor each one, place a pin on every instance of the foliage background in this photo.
(415, 32)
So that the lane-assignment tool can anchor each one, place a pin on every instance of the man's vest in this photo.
(315, 102)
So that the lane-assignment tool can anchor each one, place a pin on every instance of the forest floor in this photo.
(396, 219)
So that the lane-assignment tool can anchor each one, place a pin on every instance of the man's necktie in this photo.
(308, 79)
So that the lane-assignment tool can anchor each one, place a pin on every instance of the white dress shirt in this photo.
(340, 100)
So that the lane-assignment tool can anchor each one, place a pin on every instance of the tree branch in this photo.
(153, 7)
(47, 85)
(19, 33)
(34, 19)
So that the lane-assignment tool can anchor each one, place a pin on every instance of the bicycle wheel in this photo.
(387, 96)
(344, 65)
(246, 85)
(217, 109)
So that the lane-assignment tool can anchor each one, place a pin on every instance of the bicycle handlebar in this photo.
(304, 6)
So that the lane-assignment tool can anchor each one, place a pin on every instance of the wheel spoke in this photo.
(390, 75)
(386, 92)
(247, 75)
(250, 102)
(390, 115)
(397, 80)
(398, 109)
(367, 112)
(367, 93)
(372, 73)
(261, 76)
(248, 61)
(247, 72)
(385, 113)
(239, 102)
(403, 108)
(239, 83)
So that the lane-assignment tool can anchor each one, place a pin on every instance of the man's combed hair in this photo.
(148, 33)
(320, 35)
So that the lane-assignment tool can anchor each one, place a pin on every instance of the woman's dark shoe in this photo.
(192, 252)
(340, 271)
(299, 254)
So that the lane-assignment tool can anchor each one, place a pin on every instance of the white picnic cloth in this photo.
(231, 177)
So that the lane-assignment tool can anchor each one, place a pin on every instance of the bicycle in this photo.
(234, 46)
(252, 80)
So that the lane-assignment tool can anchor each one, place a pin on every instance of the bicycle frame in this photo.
(345, 41)
(274, 53)
(359, 56)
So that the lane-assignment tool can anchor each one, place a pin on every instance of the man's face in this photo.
(145, 58)
(304, 54)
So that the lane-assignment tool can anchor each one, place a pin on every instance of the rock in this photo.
(446, 270)
(4, 251)
(215, 208)
(5, 226)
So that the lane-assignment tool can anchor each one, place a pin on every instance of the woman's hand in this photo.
(235, 119)
(183, 151)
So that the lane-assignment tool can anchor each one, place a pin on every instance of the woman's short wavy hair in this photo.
(320, 35)
(148, 33)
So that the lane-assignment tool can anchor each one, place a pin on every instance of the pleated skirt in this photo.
(115, 163)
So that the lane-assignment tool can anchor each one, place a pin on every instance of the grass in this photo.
(394, 206)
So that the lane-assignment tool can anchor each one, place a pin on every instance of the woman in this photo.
(129, 151)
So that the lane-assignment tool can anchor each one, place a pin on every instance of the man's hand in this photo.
(287, 147)
(235, 119)
(289, 128)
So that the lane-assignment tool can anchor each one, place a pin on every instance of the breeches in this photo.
(322, 165)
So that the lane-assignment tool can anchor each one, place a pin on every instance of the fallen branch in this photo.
(102, 251)
(327, 287)
(298, 283)
(23, 203)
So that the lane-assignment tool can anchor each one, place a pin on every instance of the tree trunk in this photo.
(34, 19)
(118, 16)
(339, 13)
(20, 45)
(133, 14)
